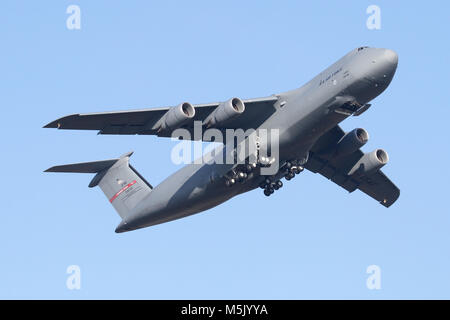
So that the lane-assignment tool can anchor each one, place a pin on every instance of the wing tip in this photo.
(389, 202)
(58, 123)
(53, 124)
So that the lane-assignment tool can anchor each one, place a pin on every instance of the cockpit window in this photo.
(362, 48)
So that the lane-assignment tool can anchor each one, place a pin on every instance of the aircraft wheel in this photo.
(267, 192)
(299, 170)
(230, 182)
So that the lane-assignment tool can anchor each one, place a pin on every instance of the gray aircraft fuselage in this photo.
(303, 115)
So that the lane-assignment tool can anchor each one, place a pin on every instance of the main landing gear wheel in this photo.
(289, 176)
(291, 168)
(299, 170)
(270, 188)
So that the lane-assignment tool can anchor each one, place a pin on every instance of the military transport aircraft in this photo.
(309, 136)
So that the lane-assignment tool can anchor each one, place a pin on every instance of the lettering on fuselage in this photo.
(322, 81)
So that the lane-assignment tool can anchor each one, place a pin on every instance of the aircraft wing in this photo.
(143, 121)
(376, 185)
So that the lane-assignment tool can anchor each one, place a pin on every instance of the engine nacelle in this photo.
(176, 116)
(225, 111)
(370, 163)
(352, 141)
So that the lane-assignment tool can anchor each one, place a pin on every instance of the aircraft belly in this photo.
(315, 119)
(187, 192)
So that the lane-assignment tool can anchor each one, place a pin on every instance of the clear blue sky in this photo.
(310, 240)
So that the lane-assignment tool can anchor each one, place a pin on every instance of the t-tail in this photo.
(124, 187)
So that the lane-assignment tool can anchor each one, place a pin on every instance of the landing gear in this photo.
(265, 161)
(241, 176)
(289, 175)
(230, 182)
(250, 167)
(298, 170)
(277, 185)
(292, 168)
(270, 184)
(268, 191)
(271, 187)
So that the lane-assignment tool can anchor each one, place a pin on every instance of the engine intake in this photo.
(176, 116)
(370, 163)
(225, 111)
(352, 141)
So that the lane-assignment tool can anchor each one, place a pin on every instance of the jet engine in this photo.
(352, 141)
(225, 111)
(370, 162)
(176, 116)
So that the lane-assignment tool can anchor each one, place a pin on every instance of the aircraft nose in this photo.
(384, 66)
(391, 56)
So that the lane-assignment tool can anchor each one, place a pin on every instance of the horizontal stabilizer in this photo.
(124, 187)
(84, 167)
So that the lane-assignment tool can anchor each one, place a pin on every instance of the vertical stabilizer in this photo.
(120, 182)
